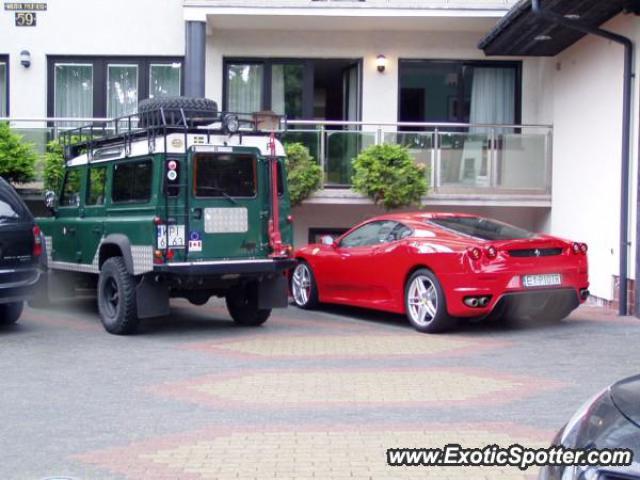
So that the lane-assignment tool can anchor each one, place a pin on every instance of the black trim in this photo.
(5, 59)
(100, 64)
(516, 65)
(230, 268)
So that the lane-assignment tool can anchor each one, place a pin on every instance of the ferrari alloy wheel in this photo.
(425, 303)
(303, 286)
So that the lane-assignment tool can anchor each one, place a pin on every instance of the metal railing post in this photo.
(435, 176)
(379, 140)
(493, 160)
(323, 153)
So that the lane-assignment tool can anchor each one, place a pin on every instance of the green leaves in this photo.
(389, 176)
(304, 174)
(53, 166)
(17, 159)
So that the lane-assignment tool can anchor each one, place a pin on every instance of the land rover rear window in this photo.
(482, 228)
(132, 181)
(225, 175)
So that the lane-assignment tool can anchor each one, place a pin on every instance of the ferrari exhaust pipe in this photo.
(472, 302)
(484, 301)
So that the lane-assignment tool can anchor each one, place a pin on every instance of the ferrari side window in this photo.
(372, 233)
(399, 232)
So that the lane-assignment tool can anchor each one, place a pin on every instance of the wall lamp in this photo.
(381, 63)
(25, 58)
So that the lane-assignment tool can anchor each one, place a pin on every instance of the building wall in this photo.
(79, 27)
(379, 91)
(587, 113)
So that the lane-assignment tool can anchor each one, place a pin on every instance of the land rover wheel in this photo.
(117, 298)
(242, 303)
(425, 303)
(303, 286)
(10, 312)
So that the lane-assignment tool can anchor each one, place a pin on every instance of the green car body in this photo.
(188, 214)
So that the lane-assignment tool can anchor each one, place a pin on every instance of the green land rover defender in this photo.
(178, 200)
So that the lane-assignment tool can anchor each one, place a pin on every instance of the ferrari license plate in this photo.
(548, 280)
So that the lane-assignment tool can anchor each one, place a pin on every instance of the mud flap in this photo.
(152, 299)
(273, 293)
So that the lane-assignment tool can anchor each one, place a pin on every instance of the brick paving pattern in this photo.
(317, 395)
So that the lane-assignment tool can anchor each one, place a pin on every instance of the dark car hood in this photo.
(626, 397)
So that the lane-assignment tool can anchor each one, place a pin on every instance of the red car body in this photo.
(375, 276)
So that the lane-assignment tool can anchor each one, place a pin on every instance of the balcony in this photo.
(501, 5)
(466, 164)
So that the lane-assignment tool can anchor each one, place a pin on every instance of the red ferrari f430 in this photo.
(438, 268)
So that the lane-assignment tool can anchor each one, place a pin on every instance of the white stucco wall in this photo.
(379, 91)
(587, 113)
(79, 27)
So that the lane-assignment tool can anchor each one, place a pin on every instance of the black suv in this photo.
(20, 250)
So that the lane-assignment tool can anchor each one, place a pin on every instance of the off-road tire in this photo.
(10, 312)
(242, 304)
(121, 318)
(198, 111)
(312, 295)
(441, 320)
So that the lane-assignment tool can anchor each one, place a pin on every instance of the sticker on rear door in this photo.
(171, 238)
(195, 242)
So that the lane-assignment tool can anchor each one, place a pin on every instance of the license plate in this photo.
(548, 280)
(172, 238)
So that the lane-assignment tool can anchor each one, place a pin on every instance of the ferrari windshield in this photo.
(482, 228)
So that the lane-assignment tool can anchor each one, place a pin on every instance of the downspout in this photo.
(626, 132)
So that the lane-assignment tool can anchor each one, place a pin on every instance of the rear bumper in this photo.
(227, 267)
(18, 284)
(505, 292)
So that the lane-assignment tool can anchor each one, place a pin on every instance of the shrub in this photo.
(53, 166)
(304, 174)
(388, 175)
(17, 158)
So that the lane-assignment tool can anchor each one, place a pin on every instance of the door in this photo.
(228, 204)
(358, 276)
(91, 223)
(65, 244)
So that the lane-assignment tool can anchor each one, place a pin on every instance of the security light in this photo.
(25, 58)
(381, 63)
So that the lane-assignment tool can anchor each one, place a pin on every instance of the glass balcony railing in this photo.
(337, 4)
(459, 159)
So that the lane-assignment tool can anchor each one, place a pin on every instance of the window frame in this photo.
(100, 81)
(148, 160)
(5, 59)
(515, 64)
(67, 172)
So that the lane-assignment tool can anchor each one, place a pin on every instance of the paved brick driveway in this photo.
(309, 395)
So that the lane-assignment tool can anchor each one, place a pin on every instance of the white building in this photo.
(557, 168)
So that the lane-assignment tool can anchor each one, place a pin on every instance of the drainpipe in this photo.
(626, 131)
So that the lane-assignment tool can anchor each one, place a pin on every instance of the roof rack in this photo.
(123, 131)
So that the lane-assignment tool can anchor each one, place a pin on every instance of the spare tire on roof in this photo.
(197, 111)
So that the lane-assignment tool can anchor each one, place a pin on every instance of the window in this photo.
(458, 91)
(244, 83)
(71, 188)
(372, 233)
(287, 82)
(73, 90)
(280, 178)
(4, 90)
(225, 175)
(164, 80)
(122, 90)
(11, 206)
(483, 228)
(399, 232)
(97, 181)
(132, 181)
(108, 87)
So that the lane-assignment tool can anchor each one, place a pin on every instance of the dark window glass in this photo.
(287, 82)
(483, 228)
(97, 180)
(71, 189)
(132, 182)
(11, 207)
(280, 179)
(220, 175)
(399, 232)
(373, 233)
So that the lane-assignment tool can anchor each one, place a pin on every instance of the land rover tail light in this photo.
(172, 174)
(37, 241)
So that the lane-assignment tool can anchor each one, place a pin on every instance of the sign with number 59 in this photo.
(25, 19)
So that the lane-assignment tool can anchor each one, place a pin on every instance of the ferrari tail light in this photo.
(491, 252)
(579, 248)
(37, 241)
(475, 253)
